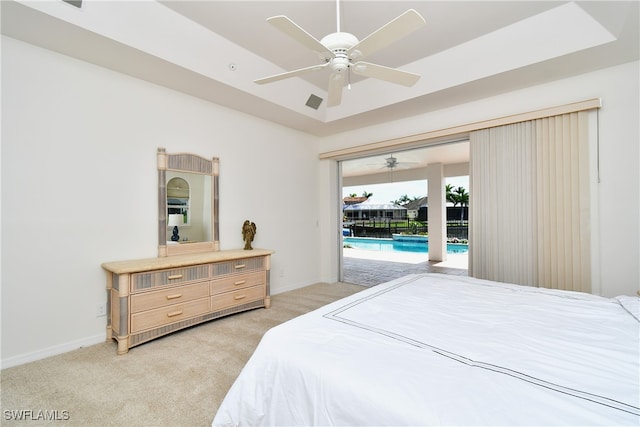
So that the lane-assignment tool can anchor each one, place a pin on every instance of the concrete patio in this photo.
(369, 268)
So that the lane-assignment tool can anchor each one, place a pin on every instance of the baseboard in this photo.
(21, 359)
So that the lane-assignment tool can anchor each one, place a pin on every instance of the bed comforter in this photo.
(445, 350)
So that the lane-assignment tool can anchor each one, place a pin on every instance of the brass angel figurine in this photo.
(248, 232)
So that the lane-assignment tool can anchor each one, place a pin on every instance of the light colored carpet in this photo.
(177, 380)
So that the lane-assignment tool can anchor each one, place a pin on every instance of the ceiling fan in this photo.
(342, 52)
(392, 162)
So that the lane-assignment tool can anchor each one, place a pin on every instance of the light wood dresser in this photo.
(149, 298)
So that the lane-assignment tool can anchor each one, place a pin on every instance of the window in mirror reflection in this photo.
(189, 195)
(178, 199)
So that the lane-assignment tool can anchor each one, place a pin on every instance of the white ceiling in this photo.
(215, 49)
(416, 158)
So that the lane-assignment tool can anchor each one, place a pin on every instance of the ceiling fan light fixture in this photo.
(339, 64)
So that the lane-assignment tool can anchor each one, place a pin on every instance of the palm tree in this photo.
(402, 200)
(449, 194)
(462, 197)
(367, 195)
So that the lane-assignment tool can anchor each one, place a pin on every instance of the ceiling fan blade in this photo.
(336, 83)
(393, 31)
(392, 75)
(290, 74)
(293, 30)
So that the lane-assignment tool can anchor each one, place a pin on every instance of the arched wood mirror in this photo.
(187, 204)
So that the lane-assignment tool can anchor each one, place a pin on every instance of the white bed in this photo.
(446, 350)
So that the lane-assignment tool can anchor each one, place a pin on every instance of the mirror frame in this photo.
(190, 163)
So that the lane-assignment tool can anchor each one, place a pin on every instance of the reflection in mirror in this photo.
(178, 197)
(189, 197)
(187, 204)
(177, 206)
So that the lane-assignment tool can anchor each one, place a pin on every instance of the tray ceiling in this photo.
(215, 49)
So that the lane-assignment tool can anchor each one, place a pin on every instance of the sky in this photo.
(385, 193)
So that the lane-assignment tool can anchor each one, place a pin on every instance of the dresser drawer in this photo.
(155, 299)
(230, 299)
(238, 266)
(239, 281)
(169, 314)
(142, 281)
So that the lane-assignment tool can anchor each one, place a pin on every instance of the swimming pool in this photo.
(398, 246)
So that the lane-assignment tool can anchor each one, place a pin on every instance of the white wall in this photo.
(79, 187)
(79, 184)
(617, 196)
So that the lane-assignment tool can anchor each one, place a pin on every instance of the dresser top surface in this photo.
(150, 264)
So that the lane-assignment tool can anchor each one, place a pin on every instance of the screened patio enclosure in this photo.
(369, 210)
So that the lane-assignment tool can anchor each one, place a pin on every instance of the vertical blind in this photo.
(529, 201)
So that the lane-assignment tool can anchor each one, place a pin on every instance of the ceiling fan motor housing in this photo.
(339, 44)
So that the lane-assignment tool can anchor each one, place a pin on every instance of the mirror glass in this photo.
(187, 204)
(189, 198)
(177, 200)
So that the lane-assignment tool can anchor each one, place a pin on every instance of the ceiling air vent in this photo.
(314, 101)
(76, 3)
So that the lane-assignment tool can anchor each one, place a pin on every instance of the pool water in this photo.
(398, 246)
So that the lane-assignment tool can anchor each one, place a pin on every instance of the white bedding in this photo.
(445, 350)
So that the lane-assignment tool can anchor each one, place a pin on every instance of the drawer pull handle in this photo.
(240, 282)
(240, 297)
(174, 296)
(239, 266)
(174, 313)
(175, 276)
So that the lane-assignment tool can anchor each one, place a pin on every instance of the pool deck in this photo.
(369, 268)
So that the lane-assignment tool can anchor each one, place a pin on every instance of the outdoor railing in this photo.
(385, 227)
